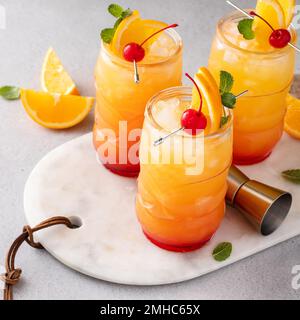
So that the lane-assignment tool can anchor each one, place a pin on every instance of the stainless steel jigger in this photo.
(264, 206)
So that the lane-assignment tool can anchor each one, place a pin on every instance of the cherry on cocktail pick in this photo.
(162, 139)
(279, 38)
(134, 52)
(194, 120)
(251, 17)
(191, 120)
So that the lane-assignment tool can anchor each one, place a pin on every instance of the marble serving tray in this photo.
(109, 244)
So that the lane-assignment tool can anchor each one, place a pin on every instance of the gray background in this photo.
(72, 27)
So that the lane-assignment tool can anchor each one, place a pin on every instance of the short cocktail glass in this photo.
(259, 115)
(182, 183)
(121, 103)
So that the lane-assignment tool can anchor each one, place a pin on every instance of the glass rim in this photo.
(236, 15)
(183, 91)
(118, 60)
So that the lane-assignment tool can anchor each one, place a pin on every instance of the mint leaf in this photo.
(228, 100)
(10, 92)
(222, 251)
(126, 13)
(224, 120)
(107, 34)
(245, 28)
(292, 175)
(226, 82)
(117, 23)
(115, 10)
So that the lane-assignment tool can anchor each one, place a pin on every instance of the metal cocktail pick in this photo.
(265, 207)
(162, 139)
(250, 17)
(135, 73)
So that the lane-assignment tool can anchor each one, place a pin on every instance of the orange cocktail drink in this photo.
(182, 184)
(266, 72)
(121, 102)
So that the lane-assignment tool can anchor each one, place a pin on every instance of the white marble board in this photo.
(110, 245)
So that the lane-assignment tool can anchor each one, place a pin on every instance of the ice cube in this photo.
(163, 47)
(167, 113)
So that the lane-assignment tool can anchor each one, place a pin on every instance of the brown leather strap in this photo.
(13, 274)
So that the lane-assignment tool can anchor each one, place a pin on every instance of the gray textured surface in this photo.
(72, 28)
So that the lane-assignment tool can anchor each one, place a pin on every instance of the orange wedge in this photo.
(55, 111)
(55, 78)
(134, 29)
(272, 11)
(292, 117)
(212, 105)
(288, 7)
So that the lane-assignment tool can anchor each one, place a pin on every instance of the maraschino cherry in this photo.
(194, 120)
(135, 52)
(279, 38)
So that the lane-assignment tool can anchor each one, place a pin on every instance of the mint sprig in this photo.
(126, 13)
(228, 98)
(245, 28)
(10, 92)
(115, 10)
(118, 12)
(107, 34)
(226, 82)
(292, 175)
(224, 120)
(222, 251)
(118, 21)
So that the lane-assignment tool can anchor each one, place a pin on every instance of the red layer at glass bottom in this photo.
(179, 247)
(245, 161)
(125, 170)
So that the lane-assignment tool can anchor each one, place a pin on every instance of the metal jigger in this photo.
(264, 206)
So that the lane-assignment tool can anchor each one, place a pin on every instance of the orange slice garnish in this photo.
(55, 111)
(272, 11)
(55, 78)
(292, 117)
(135, 29)
(212, 105)
(288, 7)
